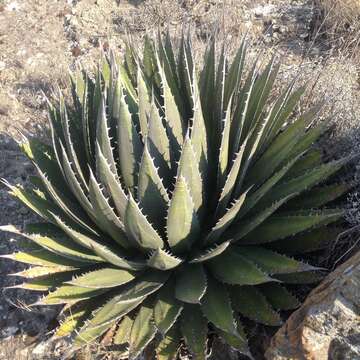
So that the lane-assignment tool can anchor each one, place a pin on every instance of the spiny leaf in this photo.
(251, 303)
(70, 294)
(224, 148)
(106, 217)
(51, 238)
(193, 327)
(169, 346)
(272, 262)
(308, 277)
(163, 260)
(237, 342)
(242, 228)
(210, 253)
(309, 241)
(189, 168)
(254, 198)
(112, 184)
(103, 278)
(121, 304)
(129, 145)
(103, 137)
(182, 226)
(110, 254)
(139, 228)
(73, 320)
(279, 297)
(223, 223)
(143, 330)
(122, 335)
(166, 309)
(158, 142)
(191, 284)
(173, 117)
(303, 182)
(44, 258)
(318, 197)
(310, 160)
(233, 268)
(230, 181)
(39, 271)
(152, 194)
(281, 226)
(216, 307)
(144, 102)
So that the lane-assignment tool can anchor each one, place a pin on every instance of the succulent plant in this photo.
(172, 203)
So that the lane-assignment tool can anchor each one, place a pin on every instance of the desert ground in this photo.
(41, 40)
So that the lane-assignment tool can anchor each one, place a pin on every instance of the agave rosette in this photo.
(174, 204)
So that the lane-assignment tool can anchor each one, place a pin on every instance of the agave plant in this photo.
(172, 203)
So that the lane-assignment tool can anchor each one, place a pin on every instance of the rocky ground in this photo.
(41, 39)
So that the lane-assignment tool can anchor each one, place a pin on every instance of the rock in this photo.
(327, 326)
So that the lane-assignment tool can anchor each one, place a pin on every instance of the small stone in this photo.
(2, 65)
(10, 331)
(40, 348)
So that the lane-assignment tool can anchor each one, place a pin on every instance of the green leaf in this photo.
(251, 303)
(189, 168)
(129, 144)
(209, 253)
(308, 277)
(281, 226)
(223, 223)
(159, 143)
(191, 283)
(144, 102)
(193, 327)
(230, 182)
(309, 241)
(198, 133)
(152, 194)
(272, 262)
(103, 278)
(255, 197)
(112, 184)
(216, 307)
(106, 218)
(182, 226)
(163, 260)
(110, 254)
(318, 197)
(279, 297)
(44, 258)
(303, 182)
(122, 335)
(310, 160)
(121, 304)
(68, 294)
(103, 138)
(173, 117)
(224, 147)
(143, 330)
(233, 268)
(169, 346)
(139, 228)
(242, 228)
(237, 342)
(51, 238)
(167, 309)
(77, 315)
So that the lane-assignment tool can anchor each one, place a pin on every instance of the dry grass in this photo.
(341, 22)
